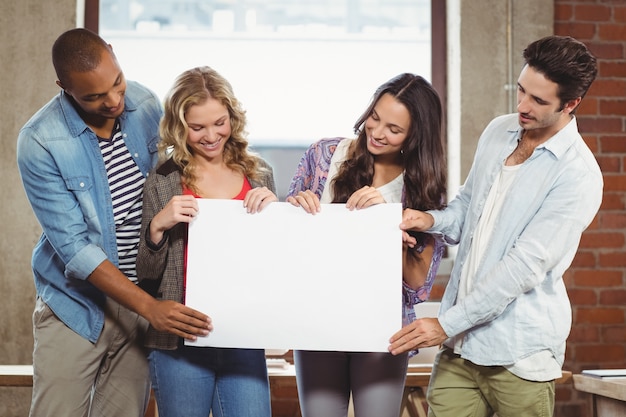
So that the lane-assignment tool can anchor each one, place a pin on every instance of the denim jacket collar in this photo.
(75, 124)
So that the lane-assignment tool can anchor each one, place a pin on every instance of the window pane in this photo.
(302, 69)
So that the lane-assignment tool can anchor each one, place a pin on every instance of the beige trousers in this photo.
(74, 378)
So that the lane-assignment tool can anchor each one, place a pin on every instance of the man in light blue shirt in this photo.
(83, 158)
(533, 188)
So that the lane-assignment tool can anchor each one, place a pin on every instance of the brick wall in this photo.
(597, 279)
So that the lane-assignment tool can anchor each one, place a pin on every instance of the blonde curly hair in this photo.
(194, 87)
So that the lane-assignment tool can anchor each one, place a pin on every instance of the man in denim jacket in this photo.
(533, 188)
(83, 159)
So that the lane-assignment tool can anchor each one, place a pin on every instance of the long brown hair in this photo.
(422, 150)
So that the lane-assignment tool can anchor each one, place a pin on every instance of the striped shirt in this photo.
(126, 184)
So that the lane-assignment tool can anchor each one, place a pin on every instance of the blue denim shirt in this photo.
(519, 305)
(65, 180)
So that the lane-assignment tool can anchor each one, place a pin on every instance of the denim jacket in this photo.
(518, 304)
(65, 180)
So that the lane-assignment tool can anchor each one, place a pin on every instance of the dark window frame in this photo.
(438, 42)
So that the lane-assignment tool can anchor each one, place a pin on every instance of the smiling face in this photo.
(539, 106)
(99, 93)
(387, 127)
(208, 129)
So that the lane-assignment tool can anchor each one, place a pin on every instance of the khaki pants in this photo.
(75, 378)
(459, 388)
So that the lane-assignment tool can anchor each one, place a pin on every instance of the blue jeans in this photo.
(194, 381)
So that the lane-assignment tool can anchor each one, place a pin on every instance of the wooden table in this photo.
(417, 376)
(608, 395)
(16, 375)
(414, 397)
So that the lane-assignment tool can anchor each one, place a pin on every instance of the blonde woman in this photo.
(204, 154)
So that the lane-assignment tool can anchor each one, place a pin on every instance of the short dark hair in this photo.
(77, 50)
(565, 61)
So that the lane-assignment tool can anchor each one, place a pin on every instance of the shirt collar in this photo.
(560, 142)
(75, 123)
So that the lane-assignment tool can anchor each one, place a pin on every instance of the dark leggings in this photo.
(326, 379)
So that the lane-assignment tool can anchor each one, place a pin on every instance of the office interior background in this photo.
(476, 57)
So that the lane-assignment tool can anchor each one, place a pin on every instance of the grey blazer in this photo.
(160, 268)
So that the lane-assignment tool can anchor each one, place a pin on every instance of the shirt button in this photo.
(124, 135)
(82, 184)
(136, 155)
